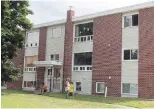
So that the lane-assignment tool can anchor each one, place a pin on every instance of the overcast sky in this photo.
(50, 10)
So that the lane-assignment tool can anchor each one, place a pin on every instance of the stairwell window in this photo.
(130, 54)
(54, 57)
(131, 20)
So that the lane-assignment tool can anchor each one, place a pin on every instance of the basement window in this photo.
(128, 88)
(100, 87)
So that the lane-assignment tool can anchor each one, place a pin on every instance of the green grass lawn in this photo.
(22, 99)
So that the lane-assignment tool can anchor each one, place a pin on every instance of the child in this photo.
(71, 89)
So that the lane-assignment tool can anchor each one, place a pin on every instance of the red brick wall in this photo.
(146, 53)
(15, 84)
(67, 69)
(41, 55)
(107, 58)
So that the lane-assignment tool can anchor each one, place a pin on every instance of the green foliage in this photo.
(13, 24)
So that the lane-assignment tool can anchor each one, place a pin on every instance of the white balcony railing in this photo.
(82, 68)
(83, 38)
(30, 69)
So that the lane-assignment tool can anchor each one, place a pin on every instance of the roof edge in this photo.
(98, 14)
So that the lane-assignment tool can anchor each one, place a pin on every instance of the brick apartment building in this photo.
(113, 49)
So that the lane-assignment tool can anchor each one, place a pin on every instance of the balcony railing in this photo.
(83, 38)
(82, 68)
(30, 69)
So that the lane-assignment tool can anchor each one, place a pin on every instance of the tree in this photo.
(13, 26)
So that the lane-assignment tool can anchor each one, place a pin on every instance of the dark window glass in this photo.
(35, 44)
(78, 86)
(88, 38)
(52, 57)
(80, 68)
(134, 54)
(84, 29)
(76, 68)
(31, 45)
(83, 58)
(56, 56)
(126, 54)
(135, 20)
(82, 38)
(25, 84)
(126, 88)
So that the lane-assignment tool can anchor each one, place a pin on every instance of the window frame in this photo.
(97, 86)
(60, 33)
(54, 57)
(129, 88)
(76, 86)
(129, 14)
(130, 54)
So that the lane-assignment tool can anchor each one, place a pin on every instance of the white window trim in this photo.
(130, 55)
(129, 14)
(82, 22)
(54, 57)
(130, 89)
(76, 85)
(96, 87)
(52, 36)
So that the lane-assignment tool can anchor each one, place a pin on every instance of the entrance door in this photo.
(56, 80)
(49, 79)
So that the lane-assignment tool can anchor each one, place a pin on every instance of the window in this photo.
(84, 29)
(83, 58)
(35, 44)
(100, 87)
(78, 86)
(56, 32)
(49, 72)
(135, 20)
(54, 57)
(31, 45)
(131, 54)
(127, 21)
(131, 20)
(29, 83)
(129, 88)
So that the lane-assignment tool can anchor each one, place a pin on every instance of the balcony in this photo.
(82, 68)
(83, 38)
(83, 32)
(30, 69)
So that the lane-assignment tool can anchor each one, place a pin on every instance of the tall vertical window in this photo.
(78, 86)
(130, 54)
(131, 20)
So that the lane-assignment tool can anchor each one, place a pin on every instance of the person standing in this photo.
(67, 87)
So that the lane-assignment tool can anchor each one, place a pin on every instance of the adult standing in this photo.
(67, 87)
